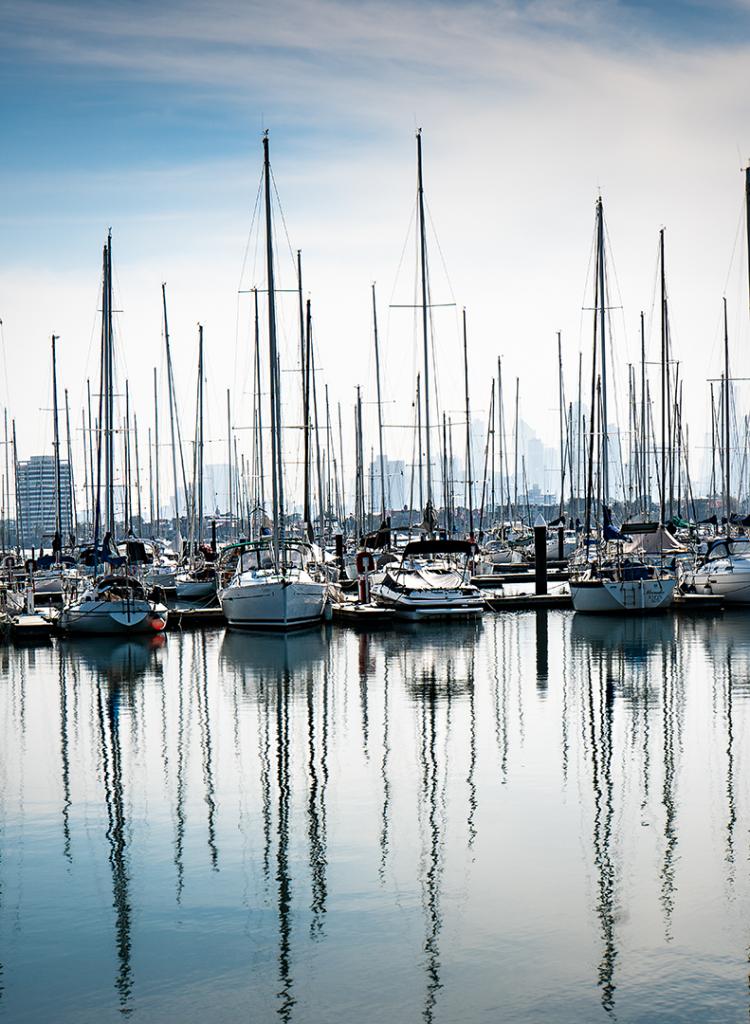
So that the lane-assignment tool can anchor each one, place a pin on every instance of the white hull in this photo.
(734, 587)
(622, 596)
(102, 618)
(273, 604)
(429, 603)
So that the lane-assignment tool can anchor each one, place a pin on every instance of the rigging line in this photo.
(250, 236)
(283, 221)
(740, 222)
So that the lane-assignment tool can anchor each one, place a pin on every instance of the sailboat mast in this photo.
(469, 481)
(727, 479)
(664, 399)
(644, 456)
(200, 434)
(747, 222)
(603, 346)
(259, 410)
(229, 464)
(380, 404)
(109, 395)
(56, 422)
(562, 421)
(515, 458)
(72, 508)
(425, 302)
(306, 512)
(277, 475)
(157, 510)
(170, 387)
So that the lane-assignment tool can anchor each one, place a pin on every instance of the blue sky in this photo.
(149, 120)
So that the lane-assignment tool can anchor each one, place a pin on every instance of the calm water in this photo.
(539, 817)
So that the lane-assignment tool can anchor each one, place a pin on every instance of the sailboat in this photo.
(274, 585)
(433, 578)
(196, 581)
(605, 581)
(115, 602)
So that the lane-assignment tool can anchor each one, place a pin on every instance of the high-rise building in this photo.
(37, 499)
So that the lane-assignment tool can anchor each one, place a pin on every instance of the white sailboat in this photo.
(116, 602)
(603, 581)
(272, 586)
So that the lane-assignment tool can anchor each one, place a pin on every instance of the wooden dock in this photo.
(516, 602)
(700, 604)
(193, 618)
(365, 616)
(31, 628)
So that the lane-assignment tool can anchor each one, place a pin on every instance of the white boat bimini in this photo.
(111, 605)
(265, 593)
(432, 581)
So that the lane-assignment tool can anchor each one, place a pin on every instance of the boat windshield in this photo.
(258, 558)
(738, 547)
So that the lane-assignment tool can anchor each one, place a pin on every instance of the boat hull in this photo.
(104, 618)
(628, 596)
(429, 604)
(734, 587)
(276, 605)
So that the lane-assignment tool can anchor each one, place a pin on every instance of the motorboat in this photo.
(724, 571)
(432, 580)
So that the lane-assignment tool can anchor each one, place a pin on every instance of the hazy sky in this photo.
(148, 119)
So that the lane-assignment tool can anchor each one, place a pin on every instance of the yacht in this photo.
(725, 571)
(274, 593)
(432, 580)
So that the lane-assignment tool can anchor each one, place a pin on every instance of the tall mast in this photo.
(469, 481)
(19, 515)
(138, 476)
(419, 440)
(306, 511)
(200, 422)
(72, 509)
(343, 474)
(259, 410)
(664, 397)
(109, 394)
(747, 222)
(229, 462)
(277, 475)
(425, 302)
(644, 499)
(603, 345)
(515, 459)
(155, 530)
(727, 479)
(380, 404)
(56, 418)
(562, 414)
(170, 387)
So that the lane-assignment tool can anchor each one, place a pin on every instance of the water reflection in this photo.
(326, 819)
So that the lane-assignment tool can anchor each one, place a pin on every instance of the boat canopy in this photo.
(440, 547)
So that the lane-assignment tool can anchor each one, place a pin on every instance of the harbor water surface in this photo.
(540, 816)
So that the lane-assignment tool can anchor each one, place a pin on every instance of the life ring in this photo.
(365, 562)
